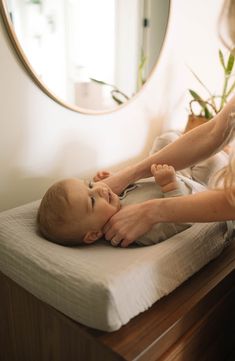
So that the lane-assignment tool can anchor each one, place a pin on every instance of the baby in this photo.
(73, 211)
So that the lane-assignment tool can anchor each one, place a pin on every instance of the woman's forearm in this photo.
(208, 206)
(194, 146)
(133, 221)
(120, 180)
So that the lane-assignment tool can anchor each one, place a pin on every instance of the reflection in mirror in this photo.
(90, 55)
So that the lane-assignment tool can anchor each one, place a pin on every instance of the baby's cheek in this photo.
(112, 211)
(107, 211)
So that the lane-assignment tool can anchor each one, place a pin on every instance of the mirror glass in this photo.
(89, 55)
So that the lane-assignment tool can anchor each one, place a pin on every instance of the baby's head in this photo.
(74, 212)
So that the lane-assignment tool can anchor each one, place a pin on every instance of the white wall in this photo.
(40, 141)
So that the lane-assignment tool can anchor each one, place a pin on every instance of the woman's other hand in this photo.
(128, 224)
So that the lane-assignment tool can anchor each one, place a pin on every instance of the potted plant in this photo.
(201, 109)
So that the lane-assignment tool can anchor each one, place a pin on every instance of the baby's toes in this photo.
(153, 168)
(171, 170)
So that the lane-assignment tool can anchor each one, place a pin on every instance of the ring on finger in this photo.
(114, 242)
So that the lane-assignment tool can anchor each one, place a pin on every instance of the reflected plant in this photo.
(117, 95)
(143, 61)
(214, 104)
(35, 1)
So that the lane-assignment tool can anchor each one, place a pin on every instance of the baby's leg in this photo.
(204, 170)
(165, 177)
(164, 139)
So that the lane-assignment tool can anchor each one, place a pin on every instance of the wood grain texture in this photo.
(195, 322)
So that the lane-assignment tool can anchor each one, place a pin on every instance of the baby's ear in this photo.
(92, 236)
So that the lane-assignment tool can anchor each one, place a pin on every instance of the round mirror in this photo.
(89, 55)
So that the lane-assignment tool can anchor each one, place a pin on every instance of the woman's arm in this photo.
(131, 222)
(189, 149)
(196, 145)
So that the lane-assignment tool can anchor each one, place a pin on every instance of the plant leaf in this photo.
(196, 96)
(100, 81)
(232, 87)
(200, 81)
(202, 103)
(230, 64)
(221, 58)
(208, 114)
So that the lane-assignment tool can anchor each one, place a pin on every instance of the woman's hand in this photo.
(128, 224)
(120, 180)
(116, 181)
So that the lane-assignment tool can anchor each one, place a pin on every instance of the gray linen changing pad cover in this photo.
(101, 286)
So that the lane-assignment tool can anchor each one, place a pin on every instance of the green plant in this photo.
(209, 107)
(143, 62)
(118, 96)
(35, 1)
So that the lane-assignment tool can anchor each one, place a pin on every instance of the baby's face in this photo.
(92, 204)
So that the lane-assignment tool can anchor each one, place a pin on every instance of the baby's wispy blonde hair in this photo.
(52, 217)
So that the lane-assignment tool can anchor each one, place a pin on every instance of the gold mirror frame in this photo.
(28, 67)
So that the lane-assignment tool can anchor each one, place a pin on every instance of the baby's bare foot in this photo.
(165, 177)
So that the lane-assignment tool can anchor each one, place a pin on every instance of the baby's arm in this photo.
(165, 177)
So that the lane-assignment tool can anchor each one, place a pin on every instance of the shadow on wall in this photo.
(23, 164)
(22, 186)
(156, 125)
(154, 130)
(73, 159)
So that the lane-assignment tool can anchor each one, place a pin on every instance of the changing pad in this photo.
(101, 286)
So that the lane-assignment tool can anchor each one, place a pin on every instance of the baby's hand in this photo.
(101, 175)
(165, 176)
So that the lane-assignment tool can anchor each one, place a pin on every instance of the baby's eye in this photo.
(90, 184)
